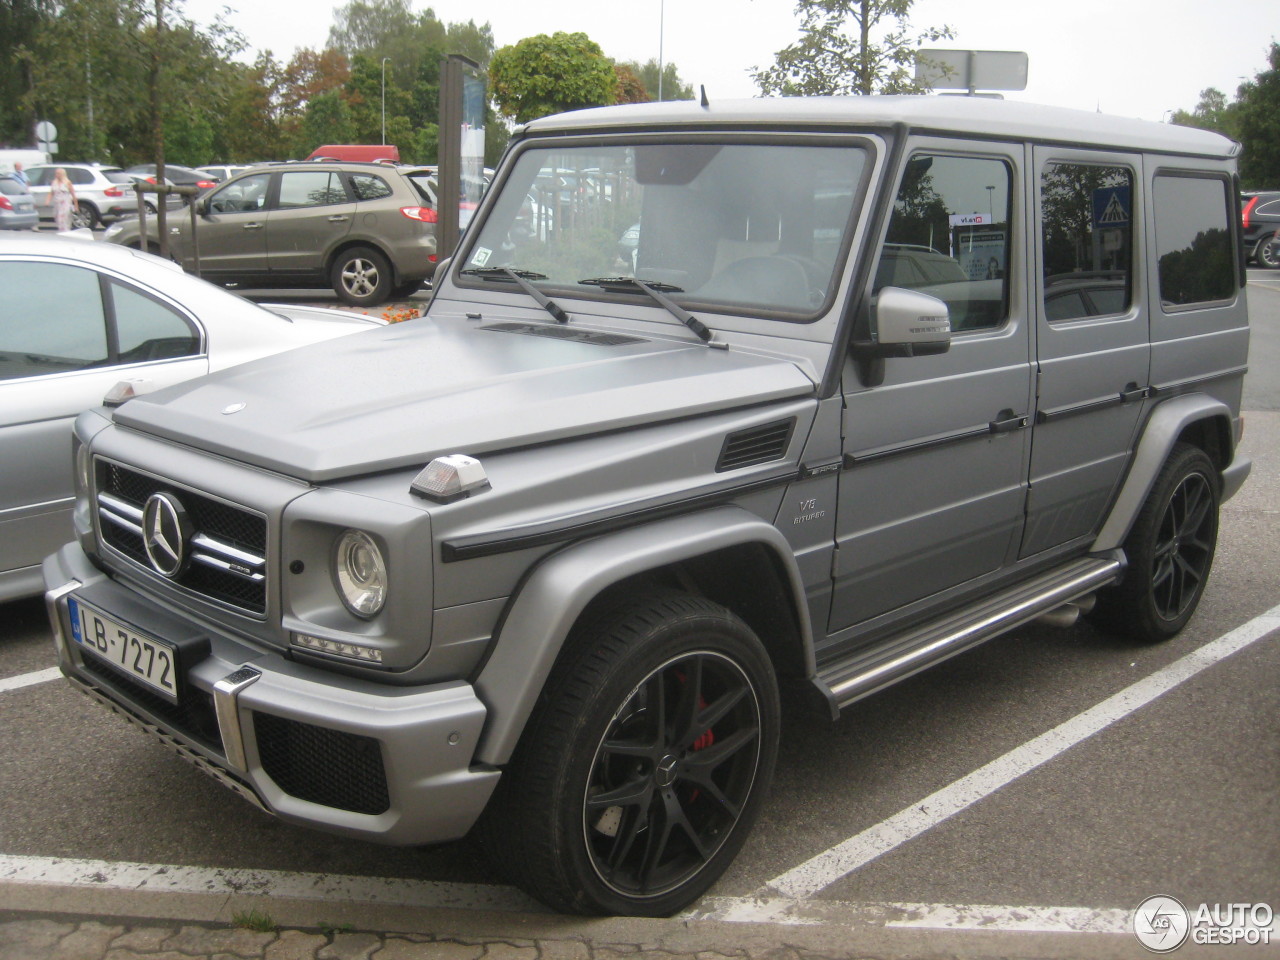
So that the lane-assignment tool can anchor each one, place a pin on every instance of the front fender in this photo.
(1166, 424)
(550, 601)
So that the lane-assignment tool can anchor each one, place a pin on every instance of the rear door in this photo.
(1092, 340)
(312, 214)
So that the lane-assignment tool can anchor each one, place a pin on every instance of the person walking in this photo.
(62, 194)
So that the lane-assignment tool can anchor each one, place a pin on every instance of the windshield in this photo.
(746, 227)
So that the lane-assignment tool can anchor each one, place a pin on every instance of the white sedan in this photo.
(78, 317)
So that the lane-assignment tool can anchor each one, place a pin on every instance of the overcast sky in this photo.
(1134, 58)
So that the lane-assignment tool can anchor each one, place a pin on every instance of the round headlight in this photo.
(361, 574)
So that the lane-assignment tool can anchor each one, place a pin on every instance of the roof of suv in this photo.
(933, 113)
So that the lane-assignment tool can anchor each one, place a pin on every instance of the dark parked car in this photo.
(183, 176)
(366, 229)
(1260, 220)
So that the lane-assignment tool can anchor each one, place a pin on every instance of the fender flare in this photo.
(551, 599)
(1167, 422)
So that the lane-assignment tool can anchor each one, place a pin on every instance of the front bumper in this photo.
(382, 763)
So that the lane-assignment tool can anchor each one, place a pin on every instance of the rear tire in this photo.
(361, 277)
(645, 763)
(1267, 252)
(1170, 551)
(84, 215)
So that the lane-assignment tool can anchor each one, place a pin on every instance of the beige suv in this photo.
(365, 229)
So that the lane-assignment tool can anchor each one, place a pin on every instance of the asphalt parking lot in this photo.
(1021, 799)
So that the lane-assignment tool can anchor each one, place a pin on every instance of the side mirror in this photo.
(904, 323)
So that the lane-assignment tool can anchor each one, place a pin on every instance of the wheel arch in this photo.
(1197, 419)
(692, 552)
(349, 243)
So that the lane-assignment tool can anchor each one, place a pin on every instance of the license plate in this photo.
(152, 662)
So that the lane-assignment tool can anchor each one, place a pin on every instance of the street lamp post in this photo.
(384, 100)
(662, 24)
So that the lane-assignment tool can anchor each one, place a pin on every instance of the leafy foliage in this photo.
(849, 46)
(545, 74)
(673, 88)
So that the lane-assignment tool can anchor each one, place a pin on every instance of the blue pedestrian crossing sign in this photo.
(1111, 207)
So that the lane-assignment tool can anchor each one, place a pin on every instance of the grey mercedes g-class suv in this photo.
(878, 379)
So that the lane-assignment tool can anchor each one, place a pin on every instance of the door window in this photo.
(53, 320)
(369, 187)
(245, 195)
(949, 237)
(1087, 233)
(311, 188)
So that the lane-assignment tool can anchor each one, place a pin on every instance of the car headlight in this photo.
(361, 574)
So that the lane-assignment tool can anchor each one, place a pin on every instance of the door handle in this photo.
(1132, 392)
(339, 218)
(1007, 421)
(253, 226)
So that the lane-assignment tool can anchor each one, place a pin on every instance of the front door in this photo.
(1091, 338)
(934, 481)
(232, 233)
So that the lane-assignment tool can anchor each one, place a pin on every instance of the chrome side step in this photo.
(846, 681)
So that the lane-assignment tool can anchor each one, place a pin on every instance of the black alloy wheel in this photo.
(672, 774)
(645, 763)
(1170, 551)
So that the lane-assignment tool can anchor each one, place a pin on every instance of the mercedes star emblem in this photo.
(165, 530)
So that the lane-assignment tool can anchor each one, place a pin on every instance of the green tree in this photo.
(673, 88)
(549, 74)
(1213, 112)
(20, 23)
(630, 87)
(1258, 112)
(850, 46)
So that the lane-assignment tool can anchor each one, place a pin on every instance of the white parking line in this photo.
(812, 876)
(29, 679)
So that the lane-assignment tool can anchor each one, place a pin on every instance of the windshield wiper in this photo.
(521, 278)
(657, 291)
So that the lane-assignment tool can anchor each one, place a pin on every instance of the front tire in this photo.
(645, 763)
(361, 277)
(1170, 551)
(84, 215)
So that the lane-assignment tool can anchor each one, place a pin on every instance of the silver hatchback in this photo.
(17, 207)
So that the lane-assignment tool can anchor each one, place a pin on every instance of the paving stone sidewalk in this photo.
(43, 938)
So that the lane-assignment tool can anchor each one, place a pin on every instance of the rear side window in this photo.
(1087, 232)
(1193, 240)
(369, 187)
(949, 237)
(149, 330)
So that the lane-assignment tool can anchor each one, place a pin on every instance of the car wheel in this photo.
(1267, 252)
(1170, 551)
(361, 277)
(84, 215)
(645, 763)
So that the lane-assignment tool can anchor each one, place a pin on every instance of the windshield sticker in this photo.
(481, 256)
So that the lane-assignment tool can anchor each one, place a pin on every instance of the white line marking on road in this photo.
(826, 868)
(168, 878)
(164, 878)
(29, 679)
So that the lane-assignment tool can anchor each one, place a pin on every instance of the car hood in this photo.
(397, 397)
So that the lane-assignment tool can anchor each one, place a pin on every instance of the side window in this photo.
(312, 188)
(1087, 216)
(78, 177)
(949, 237)
(245, 195)
(369, 187)
(149, 330)
(52, 322)
(40, 177)
(1193, 241)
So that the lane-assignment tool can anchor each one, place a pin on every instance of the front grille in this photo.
(226, 551)
(194, 717)
(328, 767)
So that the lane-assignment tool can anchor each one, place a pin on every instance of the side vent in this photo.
(746, 448)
